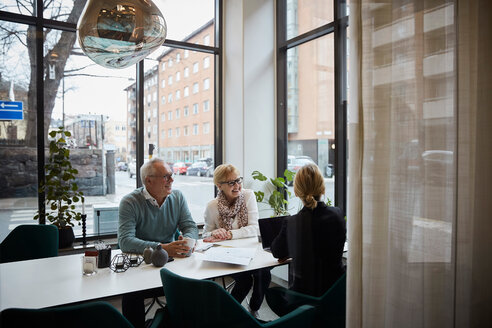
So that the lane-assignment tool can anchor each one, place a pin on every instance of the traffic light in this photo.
(151, 150)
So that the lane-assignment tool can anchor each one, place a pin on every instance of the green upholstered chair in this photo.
(95, 314)
(204, 303)
(29, 241)
(330, 307)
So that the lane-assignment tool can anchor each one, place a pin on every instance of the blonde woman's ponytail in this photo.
(309, 185)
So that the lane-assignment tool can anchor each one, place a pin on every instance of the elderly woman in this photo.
(233, 214)
(314, 239)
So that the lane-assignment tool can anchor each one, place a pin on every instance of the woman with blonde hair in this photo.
(314, 239)
(233, 214)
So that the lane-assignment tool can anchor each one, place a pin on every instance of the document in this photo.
(232, 255)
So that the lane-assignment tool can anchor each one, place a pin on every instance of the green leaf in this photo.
(278, 182)
(52, 134)
(259, 196)
(289, 175)
(257, 175)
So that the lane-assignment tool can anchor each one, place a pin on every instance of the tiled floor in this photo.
(265, 313)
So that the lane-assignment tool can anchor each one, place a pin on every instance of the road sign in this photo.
(11, 110)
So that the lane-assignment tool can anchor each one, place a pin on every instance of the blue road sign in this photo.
(11, 110)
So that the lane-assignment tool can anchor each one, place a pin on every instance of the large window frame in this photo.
(339, 29)
(41, 23)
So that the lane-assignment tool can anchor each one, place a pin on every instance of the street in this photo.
(198, 191)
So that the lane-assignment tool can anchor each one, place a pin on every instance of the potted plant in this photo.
(277, 188)
(60, 190)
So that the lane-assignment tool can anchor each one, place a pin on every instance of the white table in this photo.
(59, 280)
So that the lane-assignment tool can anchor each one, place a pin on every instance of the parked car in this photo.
(439, 166)
(122, 166)
(198, 169)
(298, 162)
(180, 168)
(294, 163)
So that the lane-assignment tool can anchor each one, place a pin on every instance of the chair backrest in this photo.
(202, 303)
(29, 241)
(333, 301)
(96, 314)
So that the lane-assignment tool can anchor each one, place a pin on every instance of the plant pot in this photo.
(66, 237)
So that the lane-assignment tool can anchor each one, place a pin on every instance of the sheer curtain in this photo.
(420, 164)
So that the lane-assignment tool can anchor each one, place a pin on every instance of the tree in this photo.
(60, 49)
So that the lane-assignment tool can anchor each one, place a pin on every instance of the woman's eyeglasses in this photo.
(233, 182)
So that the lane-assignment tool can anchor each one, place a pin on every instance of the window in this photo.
(120, 87)
(195, 129)
(195, 88)
(178, 94)
(195, 67)
(177, 132)
(169, 133)
(186, 112)
(185, 130)
(309, 93)
(177, 113)
(206, 128)
(206, 84)
(186, 91)
(178, 76)
(206, 40)
(170, 80)
(195, 109)
(186, 72)
(169, 115)
(206, 106)
(206, 62)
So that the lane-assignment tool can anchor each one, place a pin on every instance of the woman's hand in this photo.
(218, 235)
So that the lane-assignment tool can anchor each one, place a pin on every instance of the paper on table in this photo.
(232, 255)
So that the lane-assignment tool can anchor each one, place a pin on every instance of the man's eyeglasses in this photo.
(166, 177)
(233, 182)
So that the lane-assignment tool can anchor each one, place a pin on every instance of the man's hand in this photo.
(177, 248)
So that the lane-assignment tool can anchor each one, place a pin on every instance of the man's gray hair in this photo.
(148, 168)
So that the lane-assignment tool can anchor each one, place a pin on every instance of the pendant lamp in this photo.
(118, 33)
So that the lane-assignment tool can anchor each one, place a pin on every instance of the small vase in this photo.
(159, 256)
(66, 237)
(147, 255)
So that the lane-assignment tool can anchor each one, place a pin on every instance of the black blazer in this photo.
(314, 239)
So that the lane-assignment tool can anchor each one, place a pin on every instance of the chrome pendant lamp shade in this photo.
(118, 33)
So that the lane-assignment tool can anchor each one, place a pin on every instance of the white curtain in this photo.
(420, 164)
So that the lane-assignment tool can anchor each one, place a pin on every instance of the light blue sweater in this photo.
(142, 224)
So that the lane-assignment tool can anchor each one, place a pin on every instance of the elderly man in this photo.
(149, 216)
